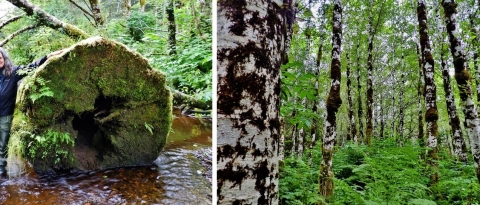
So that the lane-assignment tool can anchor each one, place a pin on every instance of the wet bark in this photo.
(459, 146)
(431, 114)
(250, 49)
(44, 18)
(462, 76)
(352, 129)
(333, 102)
(172, 29)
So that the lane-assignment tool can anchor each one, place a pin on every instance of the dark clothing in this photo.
(8, 87)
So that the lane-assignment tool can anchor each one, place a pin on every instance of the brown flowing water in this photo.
(177, 176)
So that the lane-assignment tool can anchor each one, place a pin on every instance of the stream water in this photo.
(177, 176)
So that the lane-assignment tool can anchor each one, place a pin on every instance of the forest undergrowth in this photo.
(383, 173)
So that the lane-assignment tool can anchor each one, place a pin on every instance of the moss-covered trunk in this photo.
(97, 105)
(459, 146)
(333, 103)
(462, 76)
(431, 114)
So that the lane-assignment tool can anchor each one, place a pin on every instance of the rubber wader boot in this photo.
(5, 122)
(3, 152)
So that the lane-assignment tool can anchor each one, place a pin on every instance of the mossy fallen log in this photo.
(97, 105)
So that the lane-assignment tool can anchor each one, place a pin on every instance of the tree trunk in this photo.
(475, 45)
(249, 62)
(401, 121)
(46, 19)
(195, 19)
(359, 98)
(431, 114)
(96, 12)
(333, 102)
(172, 29)
(459, 146)
(352, 129)
(420, 136)
(369, 125)
(462, 76)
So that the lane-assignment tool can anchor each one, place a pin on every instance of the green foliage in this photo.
(140, 23)
(190, 71)
(40, 90)
(382, 173)
(51, 146)
(298, 183)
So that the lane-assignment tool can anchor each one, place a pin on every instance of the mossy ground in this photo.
(101, 83)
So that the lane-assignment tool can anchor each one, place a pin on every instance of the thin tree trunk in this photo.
(475, 45)
(382, 117)
(172, 29)
(369, 129)
(314, 129)
(459, 146)
(96, 12)
(195, 19)
(359, 97)
(332, 104)
(431, 114)
(401, 121)
(420, 136)
(462, 76)
(352, 129)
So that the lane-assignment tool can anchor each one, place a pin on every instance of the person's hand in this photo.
(55, 53)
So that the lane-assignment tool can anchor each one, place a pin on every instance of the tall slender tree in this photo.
(172, 28)
(352, 129)
(431, 114)
(462, 76)
(332, 104)
(249, 57)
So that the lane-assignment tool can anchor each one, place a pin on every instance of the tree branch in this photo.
(81, 8)
(10, 20)
(11, 36)
(49, 20)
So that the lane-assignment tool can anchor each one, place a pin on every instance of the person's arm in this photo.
(37, 63)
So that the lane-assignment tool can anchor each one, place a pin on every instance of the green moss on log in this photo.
(103, 80)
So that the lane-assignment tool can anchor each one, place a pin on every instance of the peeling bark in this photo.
(462, 76)
(333, 102)
(250, 49)
(431, 114)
